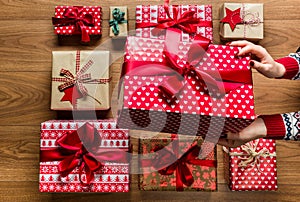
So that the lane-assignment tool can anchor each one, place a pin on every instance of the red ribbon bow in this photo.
(81, 149)
(185, 22)
(168, 162)
(218, 82)
(76, 16)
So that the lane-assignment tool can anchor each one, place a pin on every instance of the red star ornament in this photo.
(232, 17)
(71, 95)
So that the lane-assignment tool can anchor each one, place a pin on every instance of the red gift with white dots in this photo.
(252, 167)
(58, 153)
(78, 20)
(195, 111)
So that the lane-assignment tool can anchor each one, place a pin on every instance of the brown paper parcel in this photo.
(123, 26)
(252, 28)
(98, 93)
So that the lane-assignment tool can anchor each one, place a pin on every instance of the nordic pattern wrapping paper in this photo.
(110, 177)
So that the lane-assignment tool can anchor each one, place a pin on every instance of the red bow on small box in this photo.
(187, 22)
(81, 149)
(168, 162)
(77, 17)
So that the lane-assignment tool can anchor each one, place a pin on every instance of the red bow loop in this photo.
(168, 162)
(75, 16)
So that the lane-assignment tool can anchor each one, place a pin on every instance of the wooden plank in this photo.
(27, 96)
(28, 191)
(27, 45)
(44, 9)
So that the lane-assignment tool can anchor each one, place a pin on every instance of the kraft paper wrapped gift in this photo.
(80, 80)
(78, 20)
(195, 19)
(169, 163)
(242, 21)
(83, 156)
(251, 167)
(118, 21)
(195, 111)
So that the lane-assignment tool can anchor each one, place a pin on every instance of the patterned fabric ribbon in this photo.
(79, 18)
(253, 156)
(118, 18)
(78, 80)
(218, 82)
(185, 21)
(80, 149)
(168, 162)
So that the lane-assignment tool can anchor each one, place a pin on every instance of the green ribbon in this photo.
(118, 16)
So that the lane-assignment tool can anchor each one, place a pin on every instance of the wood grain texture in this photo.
(26, 42)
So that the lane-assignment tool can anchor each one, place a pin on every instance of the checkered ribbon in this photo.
(80, 77)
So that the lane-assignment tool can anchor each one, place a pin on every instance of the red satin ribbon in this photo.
(75, 16)
(220, 82)
(167, 162)
(185, 22)
(81, 149)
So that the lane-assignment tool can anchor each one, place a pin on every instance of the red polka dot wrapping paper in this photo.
(261, 177)
(96, 11)
(112, 177)
(195, 112)
(205, 178)
(154, 13)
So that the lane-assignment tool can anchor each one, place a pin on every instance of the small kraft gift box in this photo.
(252, 166)
(242, 21)
(83, 156)
(78, 20)
(118, 21)
(151, 21)
(190, 90)
(174, 163)
(80, 80)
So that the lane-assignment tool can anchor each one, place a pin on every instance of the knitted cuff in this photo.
(291, 66)
(275, 126)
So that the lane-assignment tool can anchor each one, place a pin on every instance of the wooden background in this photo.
(26, 42)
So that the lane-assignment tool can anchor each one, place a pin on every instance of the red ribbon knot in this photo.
(80, 148)
(168, 162)
(187, 22)
(79, 18)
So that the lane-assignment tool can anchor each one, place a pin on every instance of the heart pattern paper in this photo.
(234, 111)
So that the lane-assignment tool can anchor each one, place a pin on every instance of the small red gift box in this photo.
(80, 156)
(152, 77)
(78, 20)
(169, 163)
(251, 167)
(191, 19)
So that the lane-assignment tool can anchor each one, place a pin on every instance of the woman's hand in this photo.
(256, 129)
(262, 62)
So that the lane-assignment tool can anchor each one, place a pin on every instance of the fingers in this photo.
(240, 43)
(249, 48)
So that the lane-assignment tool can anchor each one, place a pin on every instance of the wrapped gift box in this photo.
(80, 80)
(148, 17)
(163, 160)
(251, 167)
(78, 20)
(195, 112)
(242, 21)
(118, 21)
(71, 150)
